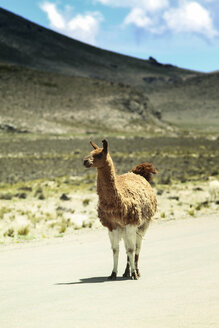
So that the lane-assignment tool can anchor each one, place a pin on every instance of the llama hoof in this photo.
(126, 274)
(138, 273)
(134, 276)
(113, 276)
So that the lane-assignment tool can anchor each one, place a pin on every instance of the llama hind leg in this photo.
(137, 252)
(126, 274)
(130, 245)
(115, 237)
(139, 236)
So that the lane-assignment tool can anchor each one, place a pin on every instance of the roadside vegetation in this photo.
(45, 192)
(29, 157)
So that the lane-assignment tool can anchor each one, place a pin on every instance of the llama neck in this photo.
(106, 182)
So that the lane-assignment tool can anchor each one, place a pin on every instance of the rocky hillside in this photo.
(34, 101)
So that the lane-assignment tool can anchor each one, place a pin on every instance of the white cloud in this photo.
(154, 16)
(144, 14)
(56, 20)
(157, 17)
(190, 17)
(149, 5)
(85, 27)
(152, 5)
(138, 18)
(81, 27)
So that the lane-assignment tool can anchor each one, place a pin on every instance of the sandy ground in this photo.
(62, 282)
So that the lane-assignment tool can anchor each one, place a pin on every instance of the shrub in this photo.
(23, 231)
(86, 202)
(41, 197)
(9, 233)
(87, 224)
(62, 228)
(198, 207)
(3, 211)
(191, 212)
(64, 197)
(6, 196)
(21, 195)
(38, 191)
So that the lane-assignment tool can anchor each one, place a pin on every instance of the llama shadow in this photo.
(92, 280)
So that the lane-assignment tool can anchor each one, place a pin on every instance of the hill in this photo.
(25, 43)
(52, 83)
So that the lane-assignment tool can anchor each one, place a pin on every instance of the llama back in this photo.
(138, 196)
(136, 187)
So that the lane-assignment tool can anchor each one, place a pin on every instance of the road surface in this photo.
(63, 283)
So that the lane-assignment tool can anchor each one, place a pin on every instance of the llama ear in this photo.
(105, 145)
(93, 145)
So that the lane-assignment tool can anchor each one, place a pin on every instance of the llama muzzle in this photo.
(87, 163)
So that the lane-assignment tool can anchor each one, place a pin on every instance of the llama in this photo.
(126, 205)
(214, 190)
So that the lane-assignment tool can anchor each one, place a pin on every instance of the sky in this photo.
(184, 33)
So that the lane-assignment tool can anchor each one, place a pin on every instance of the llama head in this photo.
(97, 157)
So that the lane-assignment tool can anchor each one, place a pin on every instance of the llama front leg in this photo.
(130, 245)
(115, 237)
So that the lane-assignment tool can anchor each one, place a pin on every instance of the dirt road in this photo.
(63, 283)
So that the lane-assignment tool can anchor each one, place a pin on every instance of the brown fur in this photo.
(123, 199)
(146, 170)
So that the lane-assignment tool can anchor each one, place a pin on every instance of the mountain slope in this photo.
(190, 104)
(25, 43)
(54, 103)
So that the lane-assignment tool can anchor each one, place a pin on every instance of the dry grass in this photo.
(32, 218)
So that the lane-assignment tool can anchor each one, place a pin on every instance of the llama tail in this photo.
(146, 170)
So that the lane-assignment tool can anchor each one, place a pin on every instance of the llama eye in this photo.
(98, 155)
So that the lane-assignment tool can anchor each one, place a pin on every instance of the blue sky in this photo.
(180, 32)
